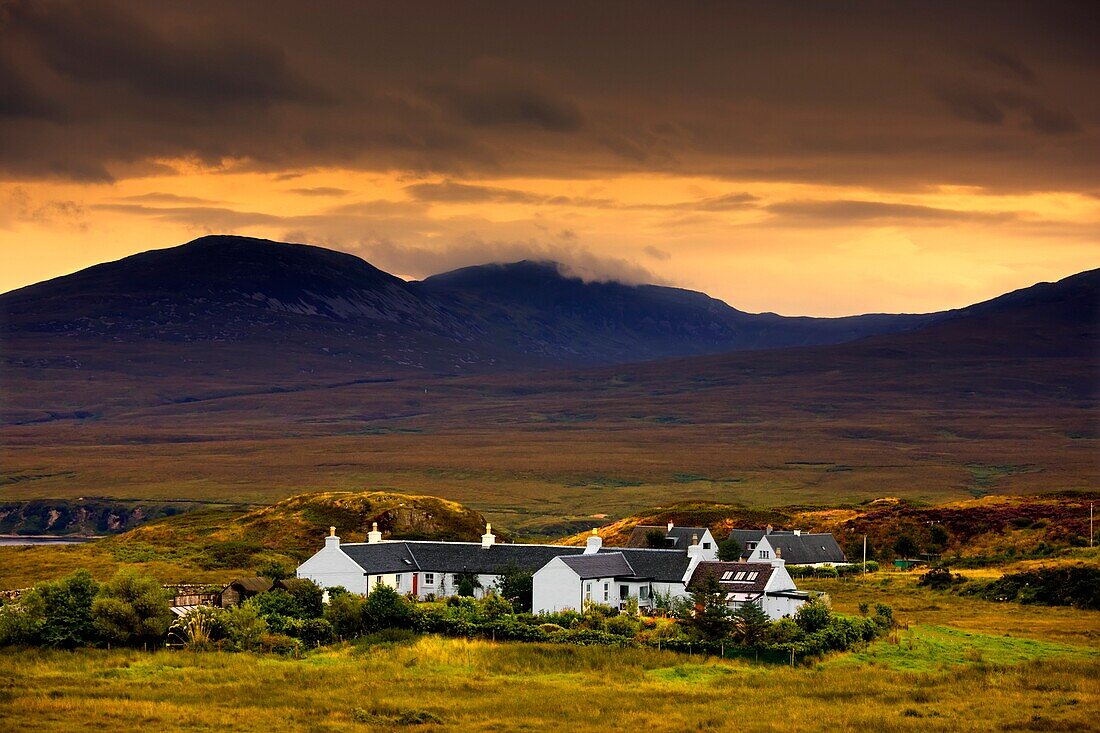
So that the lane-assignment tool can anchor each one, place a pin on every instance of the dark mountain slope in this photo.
(538, 309)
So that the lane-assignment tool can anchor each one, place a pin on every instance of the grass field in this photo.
(452, 684)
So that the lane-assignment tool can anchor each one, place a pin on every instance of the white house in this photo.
(767, 584)
(674, 538)
(794, 546)
(563, 577)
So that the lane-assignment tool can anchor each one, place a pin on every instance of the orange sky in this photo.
(784, 159)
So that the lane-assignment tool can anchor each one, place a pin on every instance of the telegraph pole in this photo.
(865, 552)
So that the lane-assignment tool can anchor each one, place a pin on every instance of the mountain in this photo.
(536, 308)
(307, 309)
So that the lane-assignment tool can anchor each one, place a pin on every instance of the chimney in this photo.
(798, 533)
(332, 541)
(670, 526)
(374, 536)
(768, 529)
(488, 538)
(778, 561)
(593, 544)
(696, 550)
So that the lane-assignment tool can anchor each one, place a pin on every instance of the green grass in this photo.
(924, 648)
(451, 684)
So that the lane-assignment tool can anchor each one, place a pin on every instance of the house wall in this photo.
(777, 608)
(331, 567)
(555, 587)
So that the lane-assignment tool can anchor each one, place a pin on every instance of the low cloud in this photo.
(320, 191)
(844, 212)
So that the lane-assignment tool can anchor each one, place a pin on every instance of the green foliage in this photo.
(466, 584)
(1073, 585)
(312, 631)
(813, 616)
(275, 605)
(230, 554)
(655, 539)
(131, 609)
(712, 616)
(274, 570)
(308, 599)
(66, 610)
(750, 626)
(21, 622)
(345, 613)
(385, 608)
(939, 578)
(906, 547)
(199, 629)
(244, 626)
(729, 550)
(516, 586)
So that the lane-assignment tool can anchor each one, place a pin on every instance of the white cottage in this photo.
(767, 584)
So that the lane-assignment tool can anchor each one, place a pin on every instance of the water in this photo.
(15, 540)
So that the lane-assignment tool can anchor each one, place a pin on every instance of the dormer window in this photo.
(764, 554)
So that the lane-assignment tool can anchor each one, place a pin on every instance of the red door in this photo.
(415, 576)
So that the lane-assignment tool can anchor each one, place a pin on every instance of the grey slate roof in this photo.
(802, 549)
(470, 557)
(600, 565)
(679, 538)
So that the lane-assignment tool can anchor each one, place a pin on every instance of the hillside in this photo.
(216, 544)
(997, 399)
(232, 315)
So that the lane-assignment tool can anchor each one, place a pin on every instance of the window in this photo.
(588, 591)
(624, 592)
(397, 581)
(750, 545)
(752, 576)
(429, 578)
(606, 592)
(740, 576)
(727, 575)
(643, 593)
(706, 545)
(763, 554)
(377, 579)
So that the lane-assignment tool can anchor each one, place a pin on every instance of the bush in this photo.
(939, 579)
(65, 608)
(131, 609)
(622, 625)
(244, 627)
(232, 554)
(813, 616)
(1076, 585)
(280, 644)
(384, 608)
(21, 622)
(345, 613)
(312, 631)
(199, 629)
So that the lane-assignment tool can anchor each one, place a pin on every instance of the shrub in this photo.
(384, 608)
(312, 631)
(274, 570)
(244, 627)
(1075, 585)
(813, 616)
(21, 622)
(275, 603)
(729, 550)
(622, 625)
(516, 586)
(939, 579)
(199, 629)
(131, 609)
(750, 626)
(66, 610)
(826, 571)
(345, 613)
(280, 644)
(232, 554)
(493, 606)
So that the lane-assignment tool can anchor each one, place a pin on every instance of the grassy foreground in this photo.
(438, 684)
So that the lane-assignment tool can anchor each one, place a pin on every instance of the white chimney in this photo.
(778, 561)
(593, 544)
(768, 529)
(374, 536)
(670, 526)
(332, 541)
(488, 538)
(798, 533)
(695, 550)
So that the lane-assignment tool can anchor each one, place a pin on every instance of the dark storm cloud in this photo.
(781, 92)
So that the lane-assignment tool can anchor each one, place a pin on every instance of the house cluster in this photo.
(658, 561)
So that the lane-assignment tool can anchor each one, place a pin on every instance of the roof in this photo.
(600, 565)
(678, 538)
(252, 585)
(796, 549)
(734, 577)
(470, 557)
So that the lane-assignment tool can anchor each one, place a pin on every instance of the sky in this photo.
(802, 158)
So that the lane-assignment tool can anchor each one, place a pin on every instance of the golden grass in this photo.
(480, 686)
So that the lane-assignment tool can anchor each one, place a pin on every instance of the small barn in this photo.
(241, 589)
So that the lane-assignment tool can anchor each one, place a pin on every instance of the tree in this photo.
(813, 616)
(131, 609)
(274, 570)
(655, 539)
(712, 617)
(750, 625)
(345, 613)
(939, 536)
(466, 584)
(729, 550)
(66, 608)
(244, 626)
(516, 586)
(385, 608)
(906, 547)
(308, 598)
